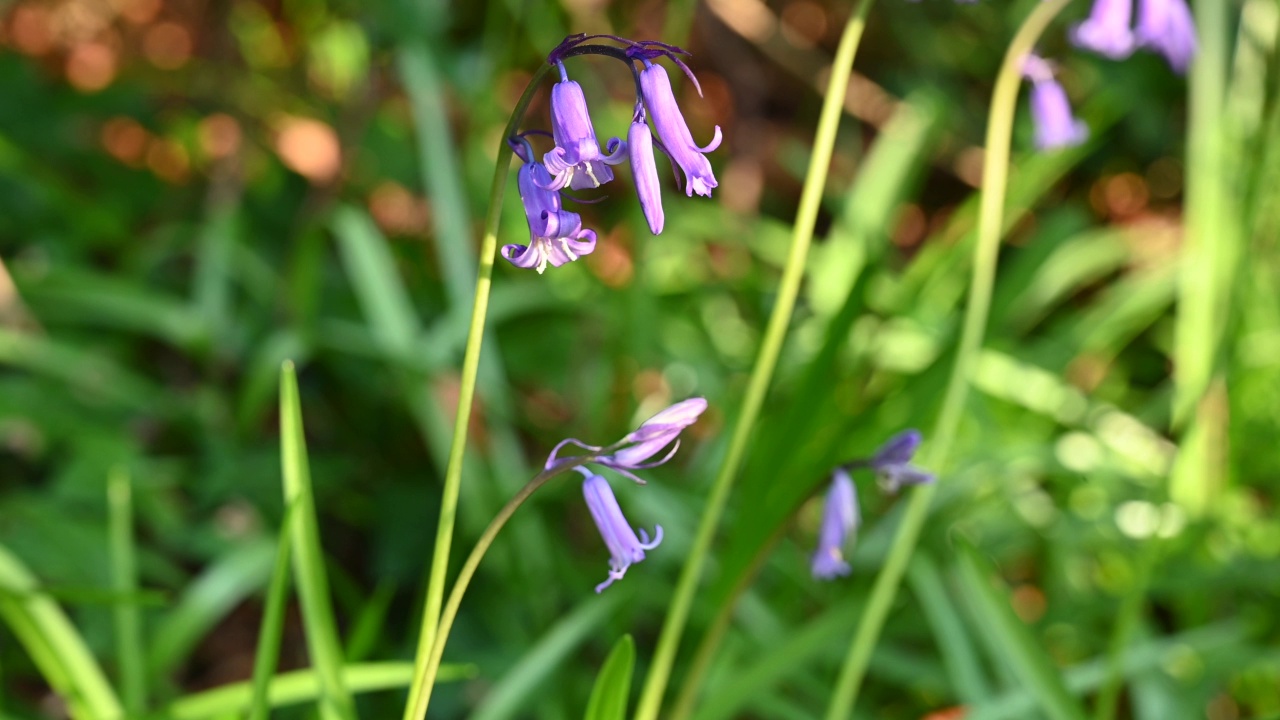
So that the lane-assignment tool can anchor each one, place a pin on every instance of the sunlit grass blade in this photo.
(308, 558)
(124, 576)
(608, 699)
(271, 632)
(301, 686)
(55, 646)
(1012, 640)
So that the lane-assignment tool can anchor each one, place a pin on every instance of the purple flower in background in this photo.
(1055, 126)
(556, 235)
(645, 171)
(892, 462)
(1167, 27)
(1107, 31)
(637, 449)
(576, 160)
(625, 549)
(673, 131)
(840, 519)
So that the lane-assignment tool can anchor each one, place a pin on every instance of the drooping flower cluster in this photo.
(636, 451)
(1165, 26)
(577, 161)
(840, 514)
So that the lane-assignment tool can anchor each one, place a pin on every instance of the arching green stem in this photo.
(802, 233)
(995, 180)
(466, 393)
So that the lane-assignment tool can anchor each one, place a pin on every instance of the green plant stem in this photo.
(466, 393)
(995, 175)
(124, 575)
(802, 234)
(426, 679)
(271, 633)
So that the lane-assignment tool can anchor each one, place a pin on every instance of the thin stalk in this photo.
(124, 576)
(762, 373)
(271, 633)
(995, 180)
(426, 678)
(466, 393)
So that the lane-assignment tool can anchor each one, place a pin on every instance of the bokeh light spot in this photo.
(310, 148)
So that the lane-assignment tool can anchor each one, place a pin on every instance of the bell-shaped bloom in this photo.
(576, 160)
(1107, 30)
(637, 450)
(1055, 126)
(892, 462)
(840, 519)
(556, 235)
(673, 131)
(645, 172)
(625, 548)
(1167, 27)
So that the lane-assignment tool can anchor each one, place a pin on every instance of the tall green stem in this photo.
(466, 393)
(775, 333)
(995, 180)
(427, 677)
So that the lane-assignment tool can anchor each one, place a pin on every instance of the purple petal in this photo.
(840, 519)
(645, 172)
(673, 131)
(1106, 31)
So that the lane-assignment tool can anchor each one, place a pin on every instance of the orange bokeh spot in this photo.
(168, 160)
(125, 140)
(91, 66)
(219, 135)
(310, 148)
(30, 29)
(167, 45)
(138, 12)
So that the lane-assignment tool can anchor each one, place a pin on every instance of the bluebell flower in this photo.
(645, 172)
(576, 160)
(637, 449)
(673, 131)
(892, 462)
(625, 548)
(1055, 126)
(840, 519)
(1107, 30)
(1167, 27)
(556, 235)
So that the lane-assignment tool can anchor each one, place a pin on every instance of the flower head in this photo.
(1055, 126)
(576, 160)
(1107, 31)
(636, 450)
(892, 462)
(1167, 27)
(840, 519)
(556, 235)
(625, 549)
(673, 131)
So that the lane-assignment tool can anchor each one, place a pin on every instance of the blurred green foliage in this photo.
(192, 193)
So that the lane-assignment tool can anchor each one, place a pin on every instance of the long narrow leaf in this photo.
(313, 588)
(124, 574)
(272, 631)
(609, 695)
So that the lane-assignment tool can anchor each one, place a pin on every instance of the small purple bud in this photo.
(654, 434)
(645, 171)
(1107, 32)
(625, 549)
(840, 519)
(576, 160)
(1167, 27)
(892, 462)
(556, 235)
(673, 131)
(1055, 126)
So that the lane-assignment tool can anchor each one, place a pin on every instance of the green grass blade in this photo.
(313, 587)
(1012, 640)
(206, 601)
(56, 648)
(378, 287)
(509, 698)
(958, 654)
(609, 695)
(271, 633)
(124, 575)
(301, 686)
